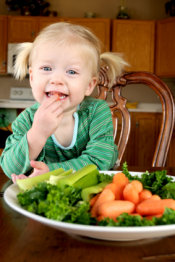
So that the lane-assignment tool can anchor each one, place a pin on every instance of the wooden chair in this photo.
(119, 107)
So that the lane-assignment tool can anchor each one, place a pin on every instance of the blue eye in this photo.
(47, 68)
(72, 72)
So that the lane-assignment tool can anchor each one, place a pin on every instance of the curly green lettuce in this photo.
(62, 204)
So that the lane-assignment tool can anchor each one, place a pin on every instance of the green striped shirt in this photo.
(94, 142)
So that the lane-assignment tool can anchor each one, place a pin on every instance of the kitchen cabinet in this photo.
(171, 154)
(3, 45)
(165, 48)
(145, 128)
(22, 29)
(146, 44)
(99, 26)
(18, 29)
(25, 29)
(135, 39)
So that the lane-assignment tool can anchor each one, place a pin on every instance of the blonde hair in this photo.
(114, 63)
(61, 32)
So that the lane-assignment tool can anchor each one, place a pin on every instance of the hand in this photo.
(14, 177)
(39, 168)
(46, 121)
(47, 117)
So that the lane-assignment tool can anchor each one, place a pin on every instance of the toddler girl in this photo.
(65, 127)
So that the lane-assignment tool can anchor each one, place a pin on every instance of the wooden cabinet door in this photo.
(171, 154)
(22, 29)
(3, 45)
(142, 141)
(145, 137)
(99, 26)
(129, 154)
(135, 39)
(165, 48)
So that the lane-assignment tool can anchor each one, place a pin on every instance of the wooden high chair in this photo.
(119, 108)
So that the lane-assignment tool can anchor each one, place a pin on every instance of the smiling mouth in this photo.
(60, 95)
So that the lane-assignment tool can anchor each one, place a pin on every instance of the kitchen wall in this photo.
(8, 81)
(137, 9)
(144, 9)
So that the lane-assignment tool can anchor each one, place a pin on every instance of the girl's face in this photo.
(63, 69)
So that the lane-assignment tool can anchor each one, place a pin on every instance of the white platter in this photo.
(96, 232)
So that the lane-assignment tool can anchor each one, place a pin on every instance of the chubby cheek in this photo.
(39, 96)
(78, 97)
(37, 90)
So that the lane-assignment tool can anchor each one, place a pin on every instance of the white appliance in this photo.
(11, 57)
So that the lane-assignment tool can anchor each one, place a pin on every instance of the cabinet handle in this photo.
(137, 124)
(4, 63)
(33, 34)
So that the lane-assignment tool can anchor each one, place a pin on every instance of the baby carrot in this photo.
(105, 195)
(114, 208)
(170, 203)
(121, 181)
(131, 194)
(120, 178)
(155, 197)
(112, 187)
(138, 185)
(58, 98)
(151, 207)
(93, 199)
(144, 194)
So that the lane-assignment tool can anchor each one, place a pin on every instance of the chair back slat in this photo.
(118, 108)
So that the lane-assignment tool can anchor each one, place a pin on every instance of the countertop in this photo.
(19, 104)
(16, 104)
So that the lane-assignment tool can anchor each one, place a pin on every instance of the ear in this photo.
(92, 85)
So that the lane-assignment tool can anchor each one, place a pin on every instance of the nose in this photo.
(56, 82)
(57, 79)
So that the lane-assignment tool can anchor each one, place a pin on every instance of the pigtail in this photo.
(114, 64)
(22, 60)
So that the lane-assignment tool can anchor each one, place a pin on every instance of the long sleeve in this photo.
(15, 156)
(94, 142)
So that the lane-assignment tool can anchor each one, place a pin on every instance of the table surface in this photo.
(25, 240)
